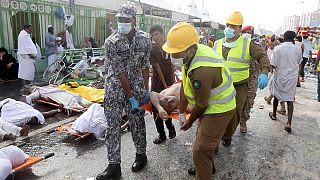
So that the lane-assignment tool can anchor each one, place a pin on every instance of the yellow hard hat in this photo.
(235, 18)
(180, 37)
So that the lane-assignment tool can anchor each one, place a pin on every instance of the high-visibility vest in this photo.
(238, 60)
(318, 67)
(222, 98)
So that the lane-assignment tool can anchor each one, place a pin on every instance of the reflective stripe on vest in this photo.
(222, 98)
(238, 61)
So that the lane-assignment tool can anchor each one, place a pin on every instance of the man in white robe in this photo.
(26, 54)
(10, 132)
(285, 62)
(10, 157)
(69, 38)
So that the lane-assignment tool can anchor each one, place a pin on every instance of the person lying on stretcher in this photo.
(10, 157)
(53, 93)
(93, 121)
(167, 101)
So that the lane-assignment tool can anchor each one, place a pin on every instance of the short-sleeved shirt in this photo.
(128, 57)
(157, 55)
(307, 47)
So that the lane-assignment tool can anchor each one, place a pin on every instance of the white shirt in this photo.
(307, 47)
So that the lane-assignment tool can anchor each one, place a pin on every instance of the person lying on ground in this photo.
(167, 101)
(10, 132)
(10, 157)
(93, 121)
(51, 93)
(19, 113)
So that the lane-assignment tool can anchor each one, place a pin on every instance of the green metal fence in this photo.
(89, 21)
(145, 22)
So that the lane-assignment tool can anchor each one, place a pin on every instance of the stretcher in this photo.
(57, 105)
(29, 162)
(148, 107)
(67, 128)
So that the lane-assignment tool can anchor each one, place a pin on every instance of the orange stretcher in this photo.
(29, 162)
(66, 129)
(57, 105)
(148, 107)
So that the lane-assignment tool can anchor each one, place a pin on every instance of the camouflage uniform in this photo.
(252, 89)
(129, 58)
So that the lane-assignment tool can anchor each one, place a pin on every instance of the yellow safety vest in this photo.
(238, 60)
(222, 98)
(318, 67)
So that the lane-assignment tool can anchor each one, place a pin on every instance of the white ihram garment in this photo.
(18, 113)
(10, 157)
(286, 59)
(92, 121)
(60, 96)
(26, 64)
(69, 40)
(7, 128)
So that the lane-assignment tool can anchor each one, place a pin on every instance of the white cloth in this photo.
(51, 59)
(60, 96)
(7, 128)
(10, 156)
(69, 40)
(26, 64)
(27, 67)
(286, 60)
(69, 21)
(38, 51)
(18, 113)
(307, 47)
(92, 121)
(25, 44)
(270, 53)
(5, 168)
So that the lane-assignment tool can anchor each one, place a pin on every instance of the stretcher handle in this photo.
(48, 156)
(51, 131)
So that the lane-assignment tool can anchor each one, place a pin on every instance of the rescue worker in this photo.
(238, 51)
(213, 97)
(254, 72)
(126, 87)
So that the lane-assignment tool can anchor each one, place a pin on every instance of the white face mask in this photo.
(178, 61)
(229, 44)
(124, 28)
(247, 35)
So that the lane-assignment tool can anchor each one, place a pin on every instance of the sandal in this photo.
(272, 117)
(159, 139)
(288, 128)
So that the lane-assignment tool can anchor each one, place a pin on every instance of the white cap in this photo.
(58, 38)
(50, 26)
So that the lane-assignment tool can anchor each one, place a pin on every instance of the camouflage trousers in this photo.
(114, 104)
(248, 105)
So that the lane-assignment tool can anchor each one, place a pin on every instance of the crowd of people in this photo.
(217, 86)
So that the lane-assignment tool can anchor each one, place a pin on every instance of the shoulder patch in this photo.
(196, 84)
(114, 38)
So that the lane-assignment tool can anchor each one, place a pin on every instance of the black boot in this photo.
(172, 133)
(192, 171)
(227, 142)
(139, 163)
(113, 171)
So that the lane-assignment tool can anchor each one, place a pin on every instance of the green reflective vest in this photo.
(222, 98)
(238, 60)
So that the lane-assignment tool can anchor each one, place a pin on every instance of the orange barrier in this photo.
(65, 129)
(29, 162)
(148, 107)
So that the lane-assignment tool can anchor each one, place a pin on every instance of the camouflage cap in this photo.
(126, 11)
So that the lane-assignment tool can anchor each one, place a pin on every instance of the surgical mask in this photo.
(229, 33)
(178, 61)
(247, 35)
(229, 44)
(124, 28)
